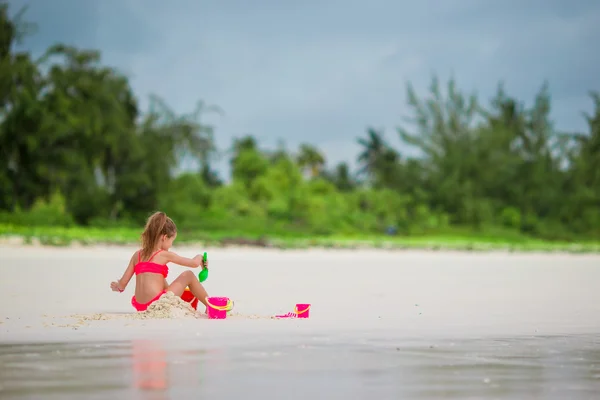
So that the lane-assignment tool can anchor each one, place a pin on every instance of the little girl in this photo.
(150, 266)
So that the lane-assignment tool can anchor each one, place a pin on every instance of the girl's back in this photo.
(150, 276)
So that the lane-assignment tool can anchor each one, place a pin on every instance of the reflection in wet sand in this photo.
(301, 367)
(156, 368)
(150, 368)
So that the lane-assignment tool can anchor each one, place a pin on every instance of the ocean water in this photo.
(305, 366)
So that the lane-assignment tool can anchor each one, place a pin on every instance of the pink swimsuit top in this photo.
(148, 266)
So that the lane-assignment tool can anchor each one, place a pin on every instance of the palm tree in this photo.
(379, 160)
(374, 149)
(311, 158)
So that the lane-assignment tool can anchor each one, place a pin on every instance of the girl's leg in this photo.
(184, 280)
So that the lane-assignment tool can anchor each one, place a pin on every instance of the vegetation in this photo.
(80, 161)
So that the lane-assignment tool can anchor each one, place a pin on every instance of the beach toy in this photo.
(218, 307)
(300, 311)
(187, 296)
(204, 273)
(288, 315)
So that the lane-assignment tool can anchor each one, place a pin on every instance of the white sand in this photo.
(49, 294)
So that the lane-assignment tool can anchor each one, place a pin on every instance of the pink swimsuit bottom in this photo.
(144, 307)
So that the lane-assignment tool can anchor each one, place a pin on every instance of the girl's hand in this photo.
(115, 287)
(201, 259)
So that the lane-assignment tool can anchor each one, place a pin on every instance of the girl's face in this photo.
(167, 242)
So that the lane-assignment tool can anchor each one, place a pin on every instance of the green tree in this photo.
(311, 158)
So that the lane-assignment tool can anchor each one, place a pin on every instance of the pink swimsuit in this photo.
(147, 266)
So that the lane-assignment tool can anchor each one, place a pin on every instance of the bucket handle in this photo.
(226, 307)
(301, 312)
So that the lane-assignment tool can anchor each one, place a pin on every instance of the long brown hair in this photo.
(158, 224)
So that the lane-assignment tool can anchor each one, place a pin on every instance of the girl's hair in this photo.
(158, 224)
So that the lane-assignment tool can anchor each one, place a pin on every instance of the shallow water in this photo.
(307, 366)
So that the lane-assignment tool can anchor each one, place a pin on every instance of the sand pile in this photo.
(168, 306)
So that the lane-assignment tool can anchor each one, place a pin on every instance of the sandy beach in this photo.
(391, 298)
(408, 293)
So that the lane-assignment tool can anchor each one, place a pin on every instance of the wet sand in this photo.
(385, 323)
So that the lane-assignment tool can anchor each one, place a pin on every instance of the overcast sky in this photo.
(321, 71)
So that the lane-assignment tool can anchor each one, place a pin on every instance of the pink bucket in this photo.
(218, 307)
(302, 310)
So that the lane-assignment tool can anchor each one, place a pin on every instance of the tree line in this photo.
(77, 149)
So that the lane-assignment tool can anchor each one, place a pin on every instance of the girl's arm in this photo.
(183, 261)
(122, 283)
